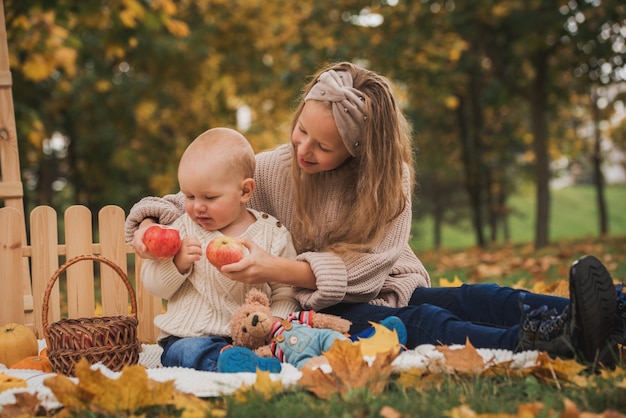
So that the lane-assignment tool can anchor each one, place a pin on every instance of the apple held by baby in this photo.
(224, 250)
(162, 241)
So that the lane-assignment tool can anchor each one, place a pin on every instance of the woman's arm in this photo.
(164, 210)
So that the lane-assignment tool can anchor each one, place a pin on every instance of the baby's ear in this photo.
(247, 189)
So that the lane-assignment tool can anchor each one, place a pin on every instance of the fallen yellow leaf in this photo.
(263, 386)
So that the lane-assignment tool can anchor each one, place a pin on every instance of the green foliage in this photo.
(127, 84)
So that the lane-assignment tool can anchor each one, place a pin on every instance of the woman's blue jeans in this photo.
(488, 314)
(198, 353)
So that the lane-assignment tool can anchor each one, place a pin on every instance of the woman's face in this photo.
(318, 144)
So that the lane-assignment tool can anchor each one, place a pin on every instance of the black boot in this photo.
(546, 330)
(593, 303)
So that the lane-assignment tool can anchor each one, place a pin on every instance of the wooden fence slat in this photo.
(44, 242)
(148, 306)
(80, 276)
(11, 306)
(112, 244)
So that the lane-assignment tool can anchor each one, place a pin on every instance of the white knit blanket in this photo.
(212, 384)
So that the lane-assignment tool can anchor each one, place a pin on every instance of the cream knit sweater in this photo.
(386, 275)
(202, 302)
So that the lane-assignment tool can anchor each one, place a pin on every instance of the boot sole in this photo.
(593, 303)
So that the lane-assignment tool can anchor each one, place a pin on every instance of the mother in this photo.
(343, 187)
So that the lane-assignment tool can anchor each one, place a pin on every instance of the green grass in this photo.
(573, 215)
(483, 394)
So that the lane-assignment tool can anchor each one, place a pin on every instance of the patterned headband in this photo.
(348, 105)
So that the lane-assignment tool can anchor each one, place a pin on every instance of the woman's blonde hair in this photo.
(374, 193)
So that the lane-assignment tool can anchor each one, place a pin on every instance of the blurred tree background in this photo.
(108, 93)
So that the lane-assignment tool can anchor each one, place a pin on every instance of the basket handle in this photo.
(62, 268)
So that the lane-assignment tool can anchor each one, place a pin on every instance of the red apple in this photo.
(162, 241)
(224, 250)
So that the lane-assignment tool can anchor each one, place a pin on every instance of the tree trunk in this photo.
(539, 116)
(596, 162)
(470, 151)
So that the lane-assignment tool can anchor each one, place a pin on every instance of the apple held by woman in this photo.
(224, 250)
(162, 241)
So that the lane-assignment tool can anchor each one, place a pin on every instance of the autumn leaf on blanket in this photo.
(554, 370)
(131, 391)
(11, 382)
(462, 360)
(26, 405)
(349, 371)
(444, 282)
(263, 386)
(384, 340)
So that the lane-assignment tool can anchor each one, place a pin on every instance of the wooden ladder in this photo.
(12, 308)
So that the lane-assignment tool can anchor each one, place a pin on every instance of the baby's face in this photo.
(213, 197)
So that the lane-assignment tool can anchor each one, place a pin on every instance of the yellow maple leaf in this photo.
(349, 371)
(132, 390)
(555, 370)
(263, 386)
(383, 341)
(444, 282)
(11, 382)
(463, 360)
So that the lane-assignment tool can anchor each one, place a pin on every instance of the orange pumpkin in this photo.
(16, 342)
(34, 363)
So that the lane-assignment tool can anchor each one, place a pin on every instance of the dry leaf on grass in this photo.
(444, 282)
(463, 360)
(556, 370)
(263, 386)
(131, 391)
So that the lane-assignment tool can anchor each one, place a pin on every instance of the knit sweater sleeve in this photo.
(166, 209)
(386, 275)
(161, 277)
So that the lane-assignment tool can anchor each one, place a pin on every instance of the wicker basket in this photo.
(110, 340)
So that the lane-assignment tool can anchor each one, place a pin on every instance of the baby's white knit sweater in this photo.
(202, 302)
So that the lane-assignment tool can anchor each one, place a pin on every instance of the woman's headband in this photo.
(348, 105)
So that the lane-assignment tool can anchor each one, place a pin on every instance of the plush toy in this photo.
(302, 336)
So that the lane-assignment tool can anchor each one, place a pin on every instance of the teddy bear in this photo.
(302, 336)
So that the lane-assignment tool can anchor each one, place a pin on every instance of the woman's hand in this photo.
(190, 252)
(259, 267)
(254, 268)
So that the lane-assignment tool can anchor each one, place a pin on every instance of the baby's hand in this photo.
(190, 252)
